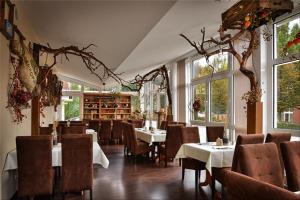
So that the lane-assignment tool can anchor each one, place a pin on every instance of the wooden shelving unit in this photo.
(106, 106)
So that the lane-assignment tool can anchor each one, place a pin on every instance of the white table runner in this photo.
(150, 137)
(211, 155)
(98, 157)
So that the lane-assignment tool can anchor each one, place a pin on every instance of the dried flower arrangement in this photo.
(253, 95)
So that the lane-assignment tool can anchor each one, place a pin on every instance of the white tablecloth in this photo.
(98, 157)
(209, 154)
(93, 132)
(150, 137)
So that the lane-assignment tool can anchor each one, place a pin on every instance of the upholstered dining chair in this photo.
(172, 144)
(73, 130)
(136, 147)
(214, 132)
(136, 122)
(261, 161)
(241, 187)
(105, 130)
(191, 135)
(35, 173)
(125, 138)
(117, 131)
(219, 173)
(95, 125)
(291, 159)
(77, 163)
(278, 138)
(46, 130)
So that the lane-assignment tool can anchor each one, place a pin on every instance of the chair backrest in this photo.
(125, 134)
(105, 130)
(291, 159)
(241, 140)
(278, 138)
(77, 162)
(214, 132)
(163, 125)
(73, 130)
(137, 123)
(261, 161)
(34, 158)
(173, 140)
(95, 125)
(131, 137)
(46, 130)
(241, 187)
(190, 134)
(117, 132)
(181, 123)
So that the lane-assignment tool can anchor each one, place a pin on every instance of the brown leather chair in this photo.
(125, 138)
(163, 125)
(117, 131)
(191, 135)
(136, 146)
(95, 125)
(73, 130)
(214, 132)
(219, 173)
(261, 161)
(35, 173)
(241, 187)
(291, 159)
(172, 144)
(278, 138)
(137, 123)
(105, 131)
(77, 163)
(46, 130)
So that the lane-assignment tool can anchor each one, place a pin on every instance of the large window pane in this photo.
(201, 68)
(70, 108)
(219, 100)
(90, 89)
(68, 86)
(200, 94)
(287, 95)
(285, 32)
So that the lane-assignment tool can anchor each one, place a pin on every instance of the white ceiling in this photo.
(132, 36)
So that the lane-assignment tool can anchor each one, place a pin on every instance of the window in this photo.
(219, 100)
(70, 108)
(200, 94)
(212, 92)
(202, 68)
(90, 89)
(286, 76)
(68, 86)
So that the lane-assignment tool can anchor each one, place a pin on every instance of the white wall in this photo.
(8, 129)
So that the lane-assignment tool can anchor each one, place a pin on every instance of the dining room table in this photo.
(214, 156)
(151, 136)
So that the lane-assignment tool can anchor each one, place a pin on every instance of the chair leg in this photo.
(182, 173)
(213, 187)
(166, 161)
(91, 194)
(196, 181)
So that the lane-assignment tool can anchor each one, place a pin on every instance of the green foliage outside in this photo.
(72, 108)
(288, 76)
(219, 90)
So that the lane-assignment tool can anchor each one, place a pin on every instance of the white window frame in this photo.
(271, 63)
(207, 80)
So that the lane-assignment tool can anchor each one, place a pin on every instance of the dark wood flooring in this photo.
(126, 178)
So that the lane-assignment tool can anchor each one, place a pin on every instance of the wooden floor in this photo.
(126, 178)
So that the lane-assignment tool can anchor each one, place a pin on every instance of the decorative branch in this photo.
(89, 60)
(228, 40)
(139, 81)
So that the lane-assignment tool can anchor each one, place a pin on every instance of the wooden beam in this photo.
(35, 102)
